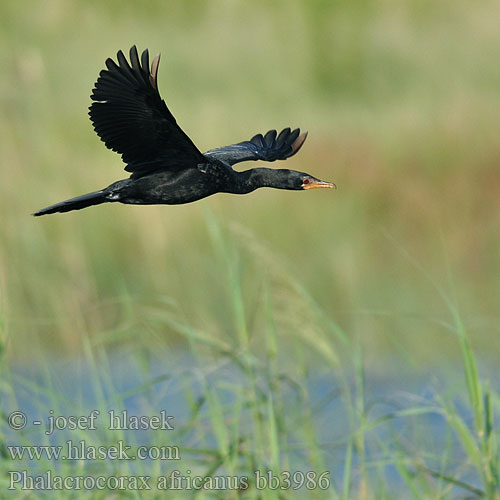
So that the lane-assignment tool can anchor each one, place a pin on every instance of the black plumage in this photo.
(166, 167)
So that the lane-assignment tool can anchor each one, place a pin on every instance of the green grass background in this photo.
(402, 104)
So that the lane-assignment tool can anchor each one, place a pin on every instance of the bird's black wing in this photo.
(269, 147)
(132, 119)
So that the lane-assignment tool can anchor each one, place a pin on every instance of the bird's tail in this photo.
(83, 201)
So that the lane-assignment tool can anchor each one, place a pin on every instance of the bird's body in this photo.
(130, 117)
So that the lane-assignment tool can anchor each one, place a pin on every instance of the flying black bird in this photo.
(132, 119)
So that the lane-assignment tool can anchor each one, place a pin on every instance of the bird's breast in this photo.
(171, 188)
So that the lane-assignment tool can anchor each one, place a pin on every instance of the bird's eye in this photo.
(306, 181)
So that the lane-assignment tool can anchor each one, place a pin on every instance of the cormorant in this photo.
(132, 119)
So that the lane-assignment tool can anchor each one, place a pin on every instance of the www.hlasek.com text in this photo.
(80, 450)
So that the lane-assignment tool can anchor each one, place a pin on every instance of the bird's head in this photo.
(279, 178)
(300, 180)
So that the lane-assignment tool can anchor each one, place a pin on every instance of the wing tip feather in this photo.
(297, 144)
(153, 77)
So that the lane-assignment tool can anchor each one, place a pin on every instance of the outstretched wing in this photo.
(266, 148)
(132, 119)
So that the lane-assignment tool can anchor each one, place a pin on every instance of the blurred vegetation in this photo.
(402, 105)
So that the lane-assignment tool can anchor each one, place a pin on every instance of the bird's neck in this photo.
(250, 180)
